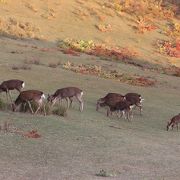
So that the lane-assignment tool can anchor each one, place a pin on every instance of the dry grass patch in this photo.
(11, 27)
(33, 61)
(110, 74)
(21, 67)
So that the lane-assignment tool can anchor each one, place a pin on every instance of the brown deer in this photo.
(109, 100)
(26, 97)
(123, 107)
(174, 121)
(135, 99)
(67, 93)
(7, 86)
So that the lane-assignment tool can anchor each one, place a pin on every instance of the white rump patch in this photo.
(43, 96)
(23, 84)
(141, 100)
(82, 93)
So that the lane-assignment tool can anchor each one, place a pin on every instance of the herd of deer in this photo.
(121, 104)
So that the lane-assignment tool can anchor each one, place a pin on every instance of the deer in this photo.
(13, 84)
(109, 100)
(28, 96)
(67, 93)
(123, 107)
(135, 99)
(174, 121)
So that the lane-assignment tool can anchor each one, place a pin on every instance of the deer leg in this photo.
(59, 102)
(30, 107)
(79, 98)
(128, 116)
(39, 102)
(120, 114)
(44, 109)
(108, 111)
(39, 106)
(71, 100)
(9, 96)
(67, 103)
(140, 108)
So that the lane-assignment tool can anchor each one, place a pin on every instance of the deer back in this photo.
(67, 92)
(12, 84)
(134, 98)
(29, 95)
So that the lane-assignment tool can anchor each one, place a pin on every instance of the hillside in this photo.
(100, 46)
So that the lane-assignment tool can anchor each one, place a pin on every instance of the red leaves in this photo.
(113, 52)
(143, 81)
(70, 52)
(31, 134)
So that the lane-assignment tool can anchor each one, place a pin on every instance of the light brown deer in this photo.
(67, 93)
(174, 121)
(7, 86)
(26, 97)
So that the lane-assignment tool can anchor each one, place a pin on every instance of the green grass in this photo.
(79, 145)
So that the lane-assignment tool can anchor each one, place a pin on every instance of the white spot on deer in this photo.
(82, 93)
(43, 96)
(23, 84)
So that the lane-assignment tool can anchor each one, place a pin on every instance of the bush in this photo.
(3, 105)
(60, 111)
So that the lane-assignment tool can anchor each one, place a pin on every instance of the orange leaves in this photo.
(104, 27)
(168, 48)
(143, 25)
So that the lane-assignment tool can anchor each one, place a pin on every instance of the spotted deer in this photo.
(67, 93)
(13, 84)
(174, 122)
(26, 97)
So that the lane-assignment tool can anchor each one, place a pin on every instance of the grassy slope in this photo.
(78, 146)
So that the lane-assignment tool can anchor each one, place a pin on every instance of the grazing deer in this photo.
(135, 99)
(28, 97)
(7, 86)
(174, 121)
(109, 100)
(67, 93)
(123, 107)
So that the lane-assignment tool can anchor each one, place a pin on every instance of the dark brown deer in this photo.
(26, 97)
(67, 93)
(109, 100)
(13, 84)
(174, 121)
(123, 107)
(135, 99)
